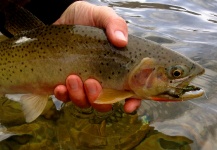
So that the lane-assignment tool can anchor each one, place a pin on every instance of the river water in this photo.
(189, 27)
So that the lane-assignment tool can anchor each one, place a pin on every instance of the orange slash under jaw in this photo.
(164, 99)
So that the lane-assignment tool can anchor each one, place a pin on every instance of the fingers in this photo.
(76, 91)
(84, 95)
(116, 27)
(61, 93)
(93, 89)
(81, 95)
(131, 105)
(84, 13)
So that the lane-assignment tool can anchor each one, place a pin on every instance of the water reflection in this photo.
(191, 26)
(72, 128)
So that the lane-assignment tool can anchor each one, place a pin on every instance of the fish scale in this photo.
(38, 60)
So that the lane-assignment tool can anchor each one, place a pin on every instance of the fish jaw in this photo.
(180, 89)
(186, 96)
(150, 80)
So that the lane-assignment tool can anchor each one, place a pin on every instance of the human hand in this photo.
(84, 94)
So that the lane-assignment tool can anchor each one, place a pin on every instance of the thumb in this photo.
(115, 26)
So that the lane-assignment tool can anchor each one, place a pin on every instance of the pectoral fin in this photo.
(33, 105)
(110, 96)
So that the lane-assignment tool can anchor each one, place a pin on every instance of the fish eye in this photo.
(178, 71)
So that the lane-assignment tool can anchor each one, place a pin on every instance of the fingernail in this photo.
(73, 84)
(91, 88)
(120, 35)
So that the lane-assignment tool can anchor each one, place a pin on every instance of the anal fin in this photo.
(33, 105)
(110, 96)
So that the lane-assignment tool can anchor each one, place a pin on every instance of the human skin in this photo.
(83, 94)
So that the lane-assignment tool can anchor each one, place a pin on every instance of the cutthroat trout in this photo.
(35, 62)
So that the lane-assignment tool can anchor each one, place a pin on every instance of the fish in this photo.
(36, 62)
(33, 63)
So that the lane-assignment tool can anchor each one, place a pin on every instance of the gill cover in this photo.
(148, 78)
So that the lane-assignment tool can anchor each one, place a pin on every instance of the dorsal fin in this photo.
(18, 19)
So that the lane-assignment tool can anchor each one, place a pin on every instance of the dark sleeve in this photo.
(48, 11)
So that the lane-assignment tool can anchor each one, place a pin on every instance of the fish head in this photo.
(162, 80)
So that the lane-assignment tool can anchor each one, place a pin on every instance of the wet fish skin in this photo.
(39, 60)
(88, 52)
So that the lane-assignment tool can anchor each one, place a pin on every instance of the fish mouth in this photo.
(182, 94)
(181, 90)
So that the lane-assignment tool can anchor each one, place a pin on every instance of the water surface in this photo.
(189, 27)
(186, 26)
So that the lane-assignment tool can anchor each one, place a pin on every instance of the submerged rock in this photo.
(74, 128)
